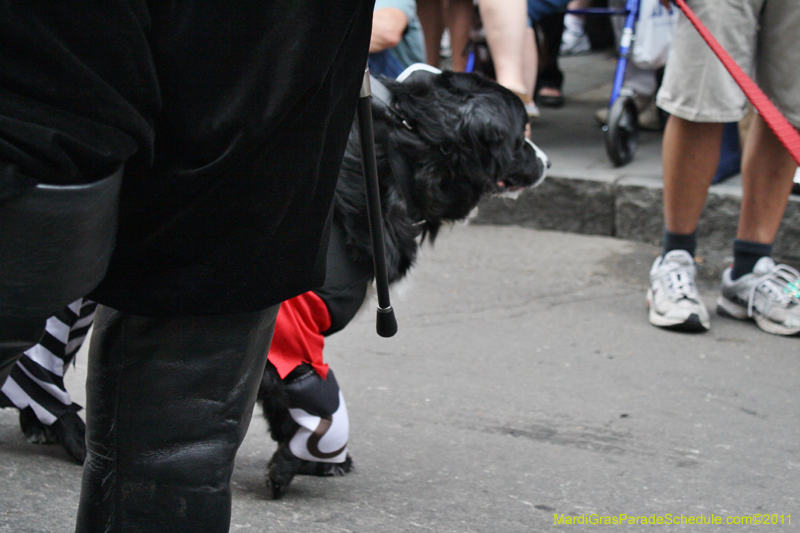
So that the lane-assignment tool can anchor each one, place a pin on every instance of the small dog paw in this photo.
(314, 468)
(34, 430)
(281, 469)
(70, 431)
(284, 465)
(277, 488)
(342, 469)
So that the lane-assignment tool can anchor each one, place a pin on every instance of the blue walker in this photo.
(622, 129)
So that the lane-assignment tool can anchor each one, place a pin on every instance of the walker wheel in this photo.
(622, 135)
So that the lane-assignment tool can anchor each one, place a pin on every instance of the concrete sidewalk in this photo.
(586, 194)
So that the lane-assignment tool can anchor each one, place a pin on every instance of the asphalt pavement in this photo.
(524, 392)
(524, 384)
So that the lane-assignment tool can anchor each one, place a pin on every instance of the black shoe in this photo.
(550, 100)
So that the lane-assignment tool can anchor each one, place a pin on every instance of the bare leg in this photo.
(530, 61)
(690, 153)
(459, 20)
(550, 78)
(431, 17)
(504, 22)
(767, 173)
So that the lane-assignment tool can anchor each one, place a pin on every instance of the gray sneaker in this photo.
(770, 295)
(673, 298)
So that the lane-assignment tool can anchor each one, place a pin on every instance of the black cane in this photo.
(385, 323)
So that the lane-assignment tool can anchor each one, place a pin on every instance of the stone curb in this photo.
(630, 208)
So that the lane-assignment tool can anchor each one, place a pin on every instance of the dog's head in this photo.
(463, 136)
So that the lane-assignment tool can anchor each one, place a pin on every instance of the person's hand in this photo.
(388, 26)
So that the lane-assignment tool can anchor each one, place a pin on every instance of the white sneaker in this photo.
(532, 110)
(445, 49)
(574, 39)
(649, 119)
(530, 106)
(648, 116)
(673, 298)
(770, 295)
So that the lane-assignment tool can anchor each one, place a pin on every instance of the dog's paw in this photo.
(314, 468)
(70, 431)
(281, 469)
(34, 430)
(284, 465)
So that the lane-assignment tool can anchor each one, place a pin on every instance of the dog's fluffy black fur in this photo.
(442, 141)
(466, 139)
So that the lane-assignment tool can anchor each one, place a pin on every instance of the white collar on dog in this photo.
(383, 96)
(416, 68)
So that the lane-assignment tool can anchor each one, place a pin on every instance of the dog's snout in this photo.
(542, 157)
(540, 154)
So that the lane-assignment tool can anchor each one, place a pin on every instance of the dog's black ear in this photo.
(419, 73)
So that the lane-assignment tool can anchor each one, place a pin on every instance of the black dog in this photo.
(443, 141)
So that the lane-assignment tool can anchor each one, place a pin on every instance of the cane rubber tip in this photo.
(386, 324)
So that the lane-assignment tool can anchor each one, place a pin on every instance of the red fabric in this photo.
(298, 334)
(783, 130)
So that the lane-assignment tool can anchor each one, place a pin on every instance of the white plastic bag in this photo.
(654, 30)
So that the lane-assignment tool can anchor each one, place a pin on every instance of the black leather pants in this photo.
(169, 403)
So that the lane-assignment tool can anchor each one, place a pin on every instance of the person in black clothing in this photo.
(176, 163)
(551, 78)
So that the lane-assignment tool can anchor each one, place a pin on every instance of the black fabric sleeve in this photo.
(346, 282)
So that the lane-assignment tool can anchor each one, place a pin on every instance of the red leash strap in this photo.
(774, 119)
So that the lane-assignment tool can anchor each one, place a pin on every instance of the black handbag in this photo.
(55, 244)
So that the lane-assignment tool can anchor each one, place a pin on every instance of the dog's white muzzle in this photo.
(542, 157)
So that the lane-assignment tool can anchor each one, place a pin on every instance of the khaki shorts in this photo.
(762, 36)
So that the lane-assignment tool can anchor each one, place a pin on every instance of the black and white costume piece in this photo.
(37, 380)
(318, 407)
